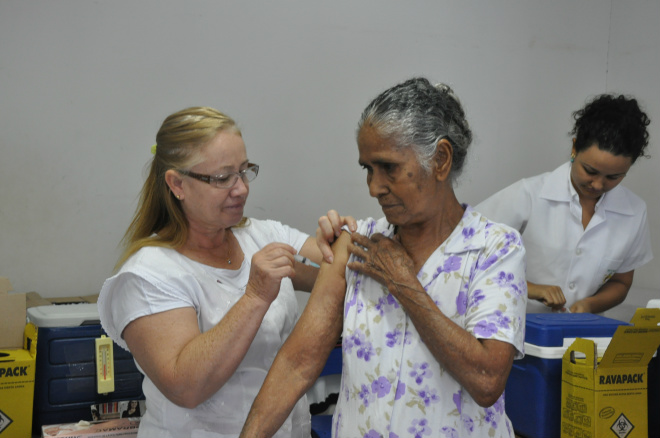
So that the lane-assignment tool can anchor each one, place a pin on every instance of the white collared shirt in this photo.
(547, 212)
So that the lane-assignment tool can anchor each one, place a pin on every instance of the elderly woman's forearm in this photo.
(295, 369)
(480, 366)
(282, 388)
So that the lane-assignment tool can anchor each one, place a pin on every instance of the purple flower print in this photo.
(468, 233)
(488, 262)
(381, 386)
(372, 434)
(485, 329)
(360, 306)
(453, 263)
(420, 371)
(364, 348)
(380, 306)
(461, 303)
(365, 395)
(468, 423)
(499, 405)
(504, 279)
(477, 297)
(511, 239)
(449, 432)
(392, 301)
(370, 228)
(419, 428)
(359, 341)
(500, 319)
(365, 352)
(350, 303)
(400, 390)
(519, 289)
(347, 344)
(457, 401)
(428, 396)
(386, 303)
(394, 338)
(491, 417)
(393, 435)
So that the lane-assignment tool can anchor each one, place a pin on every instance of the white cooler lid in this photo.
(652, 304)
(64, 315)
(558, 352)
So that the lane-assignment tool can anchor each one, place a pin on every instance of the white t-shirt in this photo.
(547, 212)
(157, 279)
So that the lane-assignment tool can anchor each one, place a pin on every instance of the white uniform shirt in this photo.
(157, 279)
(547, 212)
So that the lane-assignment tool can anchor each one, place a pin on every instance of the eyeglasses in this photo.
(227, 180)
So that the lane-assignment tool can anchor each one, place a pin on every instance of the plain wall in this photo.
(85, 85)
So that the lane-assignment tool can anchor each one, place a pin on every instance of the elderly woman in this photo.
(429, 300)
(585, 234)
(204, 297)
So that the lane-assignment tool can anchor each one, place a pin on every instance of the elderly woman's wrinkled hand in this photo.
(383, 259)
(269, 266)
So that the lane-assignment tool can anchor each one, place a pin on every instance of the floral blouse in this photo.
(392, 386)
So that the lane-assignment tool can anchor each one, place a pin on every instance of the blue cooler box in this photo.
(65, 381)
(533, 390)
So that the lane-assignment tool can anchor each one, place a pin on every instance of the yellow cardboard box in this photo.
(17, 366)
(609, 398)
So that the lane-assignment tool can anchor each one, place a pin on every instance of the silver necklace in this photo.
(229, 251)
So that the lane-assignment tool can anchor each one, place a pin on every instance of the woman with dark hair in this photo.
(429, 299)
(132, 410)
(584, 233)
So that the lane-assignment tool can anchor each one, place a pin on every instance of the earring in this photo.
(572, 157)
(179, 196)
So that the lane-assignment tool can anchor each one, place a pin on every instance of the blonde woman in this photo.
(204, 297)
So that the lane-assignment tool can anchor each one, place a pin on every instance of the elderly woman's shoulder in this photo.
(494, 229)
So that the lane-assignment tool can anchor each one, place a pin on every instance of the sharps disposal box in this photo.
(533, 390)
(17, 386)
(608, 397)
(66, 382)
(18, 349)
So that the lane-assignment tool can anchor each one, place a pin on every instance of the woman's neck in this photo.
(588, 210)
(421, 240)
(217, 248)
(204, 239)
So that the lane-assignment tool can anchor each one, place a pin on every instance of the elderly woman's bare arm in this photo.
(301, 358)
(481, 366)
